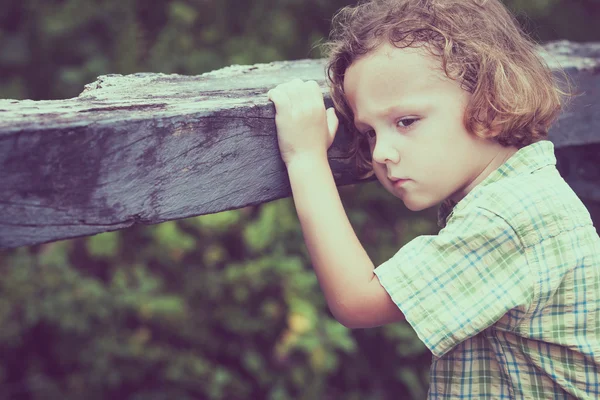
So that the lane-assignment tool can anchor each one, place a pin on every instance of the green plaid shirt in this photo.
(507, 295)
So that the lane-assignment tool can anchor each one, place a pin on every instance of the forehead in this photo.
(388, 73)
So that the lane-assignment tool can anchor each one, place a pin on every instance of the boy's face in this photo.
(422, 137)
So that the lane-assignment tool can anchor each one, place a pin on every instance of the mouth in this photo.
(400, 182)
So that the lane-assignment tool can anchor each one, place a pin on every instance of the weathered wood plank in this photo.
(148, 148)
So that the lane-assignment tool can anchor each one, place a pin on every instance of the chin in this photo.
(414, 207)
(417, 205)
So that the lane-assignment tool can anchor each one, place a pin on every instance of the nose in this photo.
(385, 151)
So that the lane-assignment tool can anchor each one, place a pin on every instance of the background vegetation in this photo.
(223, 306)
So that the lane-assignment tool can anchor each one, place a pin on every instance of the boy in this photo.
(455, 106)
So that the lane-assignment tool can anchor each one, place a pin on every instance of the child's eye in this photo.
(408, 121)
(411, 120)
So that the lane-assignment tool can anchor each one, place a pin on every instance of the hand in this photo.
(304, 127)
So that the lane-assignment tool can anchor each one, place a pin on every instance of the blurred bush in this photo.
(49, 49)
(222, 306)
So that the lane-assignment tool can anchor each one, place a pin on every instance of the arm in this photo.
(305, 130)
(343, 268)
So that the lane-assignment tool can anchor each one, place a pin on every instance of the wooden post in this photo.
(148, 148)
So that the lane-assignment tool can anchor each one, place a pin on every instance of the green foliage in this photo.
(104, 245)
(51, 49)
(223, 306)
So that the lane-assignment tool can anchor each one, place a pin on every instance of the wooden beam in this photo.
(147, 148)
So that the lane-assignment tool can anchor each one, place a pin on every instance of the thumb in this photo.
(332, 123)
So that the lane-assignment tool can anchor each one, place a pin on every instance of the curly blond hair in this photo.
(515, 97)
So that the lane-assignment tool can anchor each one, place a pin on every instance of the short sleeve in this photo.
(453, 285)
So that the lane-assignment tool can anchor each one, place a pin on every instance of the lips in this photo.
(399, 182)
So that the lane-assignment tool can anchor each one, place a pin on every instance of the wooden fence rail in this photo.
(147, 148)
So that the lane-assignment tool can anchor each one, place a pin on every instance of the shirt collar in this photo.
(525, 161)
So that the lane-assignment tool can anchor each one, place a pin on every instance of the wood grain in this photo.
(147, 148)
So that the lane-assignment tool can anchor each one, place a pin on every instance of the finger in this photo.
(314, 85)
(332, 121)
(316, 89)
(274, 95)
(292, 85)
(279, 98)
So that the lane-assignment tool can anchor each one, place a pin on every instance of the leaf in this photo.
(258, 234)
(103, 245)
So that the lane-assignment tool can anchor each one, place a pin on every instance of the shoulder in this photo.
(537, 205)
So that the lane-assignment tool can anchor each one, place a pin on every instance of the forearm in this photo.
(341, 264)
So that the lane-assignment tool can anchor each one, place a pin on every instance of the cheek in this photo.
(377, 168)
(380, 172)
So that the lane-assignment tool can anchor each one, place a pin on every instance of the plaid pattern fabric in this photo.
(507, 295)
